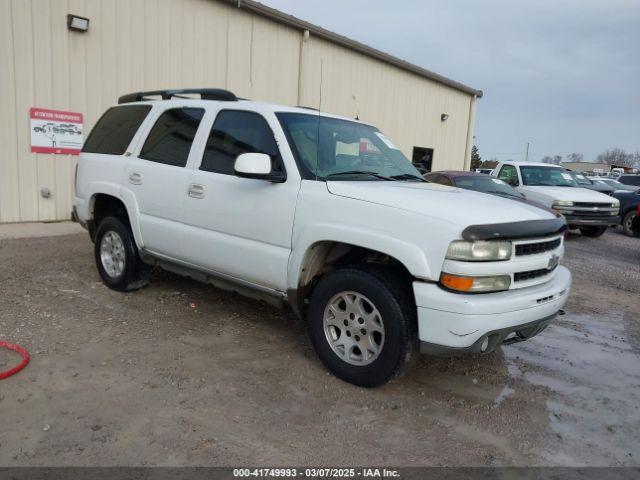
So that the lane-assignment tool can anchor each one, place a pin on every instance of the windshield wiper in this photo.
(359, 173)
(407, 176)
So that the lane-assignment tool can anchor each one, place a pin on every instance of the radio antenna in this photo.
(318, 132)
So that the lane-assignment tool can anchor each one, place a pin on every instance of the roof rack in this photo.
(205, 94)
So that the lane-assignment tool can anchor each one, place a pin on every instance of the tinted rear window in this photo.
(630, 179)
(115, 129)
(170, 139)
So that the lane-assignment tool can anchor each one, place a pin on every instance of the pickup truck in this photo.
(323, 213)
(589, 211)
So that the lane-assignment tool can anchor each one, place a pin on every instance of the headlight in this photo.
(461, 283)
(562, 203)
(480, 251)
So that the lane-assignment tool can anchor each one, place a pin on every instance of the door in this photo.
(159, 179)
(422, 158)
(239, 226)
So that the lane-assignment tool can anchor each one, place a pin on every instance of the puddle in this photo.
(593, 373)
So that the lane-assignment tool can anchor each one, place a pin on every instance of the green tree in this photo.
(476, 159)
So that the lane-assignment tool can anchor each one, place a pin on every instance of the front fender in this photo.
(411, 256)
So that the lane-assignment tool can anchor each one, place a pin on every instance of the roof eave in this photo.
(295, 22)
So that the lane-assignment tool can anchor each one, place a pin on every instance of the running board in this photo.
(217, 279)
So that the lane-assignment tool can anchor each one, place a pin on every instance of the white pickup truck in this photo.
(323, 213)
(551, 185)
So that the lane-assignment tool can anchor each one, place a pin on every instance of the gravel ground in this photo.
(183, 374)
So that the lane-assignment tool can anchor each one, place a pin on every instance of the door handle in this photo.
(135, 178)
(196, 190)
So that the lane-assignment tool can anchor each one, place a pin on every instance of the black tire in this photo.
(135, 274)
(395, 304)
(628, 221)
(593, 232)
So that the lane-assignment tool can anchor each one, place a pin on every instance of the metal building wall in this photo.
(149, 44)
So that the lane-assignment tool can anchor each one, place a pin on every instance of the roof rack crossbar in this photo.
(205, 94)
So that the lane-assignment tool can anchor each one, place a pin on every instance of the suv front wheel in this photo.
(117, 258)
(360, 325)
(627, 222)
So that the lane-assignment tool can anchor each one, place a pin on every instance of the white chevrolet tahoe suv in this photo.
(323, 213)
(590, 211)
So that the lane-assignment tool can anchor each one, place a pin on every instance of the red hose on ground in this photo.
(16, 369)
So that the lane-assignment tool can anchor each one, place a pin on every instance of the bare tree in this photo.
(575, 157)
(555, 160)
(491, 163)
(618, 157)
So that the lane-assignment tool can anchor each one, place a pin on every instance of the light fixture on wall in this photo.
(443, 117)
(76, 23)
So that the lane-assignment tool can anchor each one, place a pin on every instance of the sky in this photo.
(563, 75)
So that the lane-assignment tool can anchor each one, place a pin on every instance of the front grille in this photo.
(589, 213)
(591, 205)
(531, 274)
(534, 248)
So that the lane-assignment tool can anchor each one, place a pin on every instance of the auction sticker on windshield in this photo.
(55, 131)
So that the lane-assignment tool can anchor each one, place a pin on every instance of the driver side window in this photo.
(509, 174)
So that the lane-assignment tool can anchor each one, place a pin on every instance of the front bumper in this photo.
(595, 221)
(459, 323)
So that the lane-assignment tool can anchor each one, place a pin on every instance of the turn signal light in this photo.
(454, 282)
(461, 283)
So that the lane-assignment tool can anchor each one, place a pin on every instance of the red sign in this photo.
(55, 131)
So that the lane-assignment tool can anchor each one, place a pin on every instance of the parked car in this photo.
(319, 212)
(480, 182)
(629, 205)
(586, 182)
(615, 184)
(630, 179)
(591, 212)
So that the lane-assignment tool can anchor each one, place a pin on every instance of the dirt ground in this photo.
(183, 374)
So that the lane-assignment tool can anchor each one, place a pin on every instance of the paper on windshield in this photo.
(566, 176)
(386, 141)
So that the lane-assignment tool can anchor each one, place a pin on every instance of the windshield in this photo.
(581, 179)
(534, 175)
(344, 150)
(487, 185)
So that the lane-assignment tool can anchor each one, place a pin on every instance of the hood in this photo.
(450, 204)
(573, 194)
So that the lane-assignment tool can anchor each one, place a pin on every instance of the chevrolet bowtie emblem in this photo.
(553, 262)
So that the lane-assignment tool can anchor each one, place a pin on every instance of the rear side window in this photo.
(170, 139)
(235, 132)
(508, 174)
(115, 129)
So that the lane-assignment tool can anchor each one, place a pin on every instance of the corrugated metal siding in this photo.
(405, 106)
(150, 44)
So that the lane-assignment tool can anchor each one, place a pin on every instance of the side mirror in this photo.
(257, 166)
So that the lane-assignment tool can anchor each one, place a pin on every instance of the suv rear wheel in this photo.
(360, 325)
(593, 232)
(117, 258)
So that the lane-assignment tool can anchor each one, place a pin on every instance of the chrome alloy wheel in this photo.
(112, 254)
(628, 223)
(354, 328)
